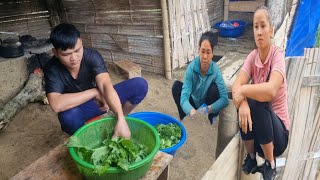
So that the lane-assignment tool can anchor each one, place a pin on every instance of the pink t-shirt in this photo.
(258, 73)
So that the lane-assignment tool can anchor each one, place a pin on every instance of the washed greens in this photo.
(170, 134)
(117, 152)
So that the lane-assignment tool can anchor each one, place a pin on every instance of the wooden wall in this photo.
(304, 141)
(25, 17)
(132, 29)
(215, 11)
(122, 29)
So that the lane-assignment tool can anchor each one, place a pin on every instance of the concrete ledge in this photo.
(14, 73)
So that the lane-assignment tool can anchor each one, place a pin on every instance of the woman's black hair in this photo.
(64, 36)
(209, 35)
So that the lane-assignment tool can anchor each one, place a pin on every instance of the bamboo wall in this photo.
(304, 141)
(25, 17)
(188, 20)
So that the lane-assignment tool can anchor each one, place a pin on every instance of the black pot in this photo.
(11, 48)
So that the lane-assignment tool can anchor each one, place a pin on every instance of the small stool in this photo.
(131, 69)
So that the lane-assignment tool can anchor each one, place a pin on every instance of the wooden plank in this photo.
(294, 79)
(172, 26)
(205, 16)
(305, 125)
(160, 163)
(310, 54)
(183, 26)
(225, 167)
(314, 58)
(146, 45)
(58, 164)
(129, 17)
(148, 63)
(108, 41)
(229, 66)
(80, 17)
(195, 24)
(141, 59)
(244, 6)
(128, 43)
(131, 69)
(311, 80)
(190, 28)
(200, 17)
(178, 32)
(97, 4)
(142, 30)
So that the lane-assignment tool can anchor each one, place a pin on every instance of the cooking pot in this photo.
(11, 47)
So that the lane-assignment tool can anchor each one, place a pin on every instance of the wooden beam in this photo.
(311, 80)
(225, 167)
(244, 6)
(58, 164)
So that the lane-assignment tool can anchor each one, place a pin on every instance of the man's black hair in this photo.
(64, 36)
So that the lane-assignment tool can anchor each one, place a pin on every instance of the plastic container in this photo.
(155, 118)
(227, 28)
(95, 132)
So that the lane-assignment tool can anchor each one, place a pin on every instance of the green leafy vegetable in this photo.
(170, 134)
(117, 152)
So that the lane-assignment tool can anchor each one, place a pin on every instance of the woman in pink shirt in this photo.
(262, 104)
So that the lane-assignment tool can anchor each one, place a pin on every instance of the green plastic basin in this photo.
(94, 133)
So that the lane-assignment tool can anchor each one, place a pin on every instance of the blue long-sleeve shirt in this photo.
(196, 86)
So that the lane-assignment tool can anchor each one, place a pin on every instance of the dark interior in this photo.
(216, 58)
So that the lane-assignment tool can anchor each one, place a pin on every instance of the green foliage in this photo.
(170, 134)
(117, 152)
(318, 38)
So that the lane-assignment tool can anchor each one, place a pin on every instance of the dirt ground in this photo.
(35, 130)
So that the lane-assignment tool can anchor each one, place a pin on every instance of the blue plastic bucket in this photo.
(155, 118)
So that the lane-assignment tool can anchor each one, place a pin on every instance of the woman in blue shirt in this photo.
(203, 83)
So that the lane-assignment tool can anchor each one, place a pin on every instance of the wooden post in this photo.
(226, 10)
(228, 126)
(225, 166)
(166, 39)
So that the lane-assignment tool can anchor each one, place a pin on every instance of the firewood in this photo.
(32, 92)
